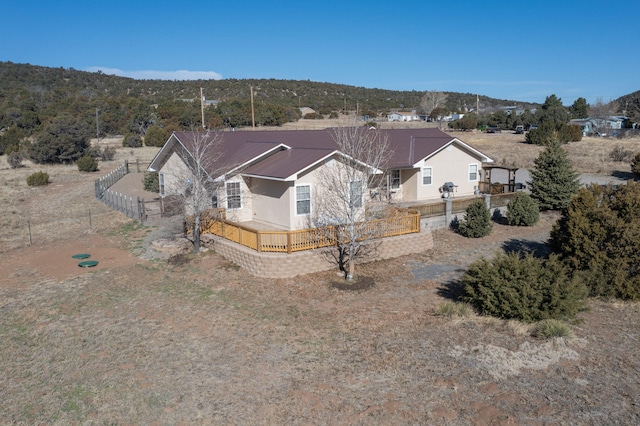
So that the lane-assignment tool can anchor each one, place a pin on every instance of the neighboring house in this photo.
(306, 110)
(271, 177)
(590, 126)
(403, 116)
(452, 117)
(585, 124)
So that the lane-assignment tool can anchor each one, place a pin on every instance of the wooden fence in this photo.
(405, 221)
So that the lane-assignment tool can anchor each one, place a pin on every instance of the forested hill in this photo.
(44, 83)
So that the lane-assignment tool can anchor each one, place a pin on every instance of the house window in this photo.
(473, 172)
(161, 183)
(234, 199)
(427, 174)
(214, 201)
(303, 199)
(394, 179)
(356, 194)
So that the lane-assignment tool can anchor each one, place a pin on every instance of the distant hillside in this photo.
(630, 104)
(33, 96)
(324, 97)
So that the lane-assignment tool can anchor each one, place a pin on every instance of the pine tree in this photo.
(553, 180)
(477, 222)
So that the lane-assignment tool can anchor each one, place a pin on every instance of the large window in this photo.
(356, 193)
(303, 199)
(234, 198)
(161, 183)
(427, 175)
(394, 179)
(473, 172)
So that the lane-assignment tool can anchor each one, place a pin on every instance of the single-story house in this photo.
(403, 116)
(271, 177)
(590, 126)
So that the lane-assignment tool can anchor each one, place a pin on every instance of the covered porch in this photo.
(491, 185)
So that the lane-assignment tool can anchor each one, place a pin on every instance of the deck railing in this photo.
(403, 221)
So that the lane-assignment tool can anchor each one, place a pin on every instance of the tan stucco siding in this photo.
(245, 212)
(449, 165)
(174, 174)
(268, 200)
(313, 178)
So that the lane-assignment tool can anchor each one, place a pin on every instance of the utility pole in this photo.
(202, 107)
(253, 116)
(97, 126)
(478, 105)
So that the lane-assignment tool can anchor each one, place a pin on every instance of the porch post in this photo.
(447, 210)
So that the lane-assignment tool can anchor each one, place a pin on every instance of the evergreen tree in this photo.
(477, 222)
(553, 180)
(579, 109)
(598, 238)
(63, 140)
(635, 166)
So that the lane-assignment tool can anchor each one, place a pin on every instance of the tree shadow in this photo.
(536, 248)
(498, 217)
(622, 175)
(451, 290)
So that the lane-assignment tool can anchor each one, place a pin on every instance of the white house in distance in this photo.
(270, 178)
(403, 116)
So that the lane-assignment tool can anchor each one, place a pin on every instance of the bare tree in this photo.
(344, 185)
(599, 114)
(197, 181)
(433, 99)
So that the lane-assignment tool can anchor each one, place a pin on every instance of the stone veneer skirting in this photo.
(283, 265)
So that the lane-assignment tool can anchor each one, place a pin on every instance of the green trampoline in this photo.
(81, 256)
(88, 264)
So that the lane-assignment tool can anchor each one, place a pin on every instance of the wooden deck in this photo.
(403, 221)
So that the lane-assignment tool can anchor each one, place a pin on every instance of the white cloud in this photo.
(159, 75)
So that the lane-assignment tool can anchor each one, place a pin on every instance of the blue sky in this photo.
(503, 49)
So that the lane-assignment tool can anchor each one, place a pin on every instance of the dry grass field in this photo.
(140, 339)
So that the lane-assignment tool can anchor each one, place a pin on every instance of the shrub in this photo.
(15, 160)
(132, 140)
(523, 288)
(477, 222)
(574, 133)
(597, 238)
(38, 179)
(87, 164)
(620, 154)
(522, 210)
(313, 116)
(108, 153)
(151, 181)
(550, 328)
(635, 165)
(156, 136)
(453, 309)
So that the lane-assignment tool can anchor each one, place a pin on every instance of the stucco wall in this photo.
(269, 201)
(449, 165)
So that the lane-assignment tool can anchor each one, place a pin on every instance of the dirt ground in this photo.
(139, 339)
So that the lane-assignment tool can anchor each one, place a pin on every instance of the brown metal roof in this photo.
(296, 150)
